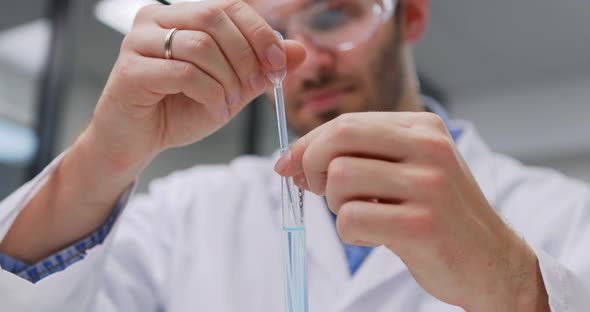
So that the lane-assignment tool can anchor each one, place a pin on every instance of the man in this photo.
(209, 239)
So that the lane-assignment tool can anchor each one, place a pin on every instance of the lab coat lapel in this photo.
(327, 255)
(477, 157)
(323, 244)
(380, 267)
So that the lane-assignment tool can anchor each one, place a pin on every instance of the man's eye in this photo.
(336, 15)
(329, 19)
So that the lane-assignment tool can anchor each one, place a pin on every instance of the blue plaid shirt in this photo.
(66, 257)
(70, 255)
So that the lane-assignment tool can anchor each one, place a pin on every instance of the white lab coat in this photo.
(209, 239)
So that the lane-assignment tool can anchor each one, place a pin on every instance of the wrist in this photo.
(532, 295)
(93, 166)
(111, 158)
(515, 284)
(75, 200)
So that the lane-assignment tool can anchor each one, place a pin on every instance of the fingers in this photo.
(367, 223)
(410, 137)
(374, 224)
(345, 136)
(197, 48)
(226, 39)
(259, 34)
(200, 49)
(351, 178)
(161, 77)
(241, 33)
(205, 29)
(295, 54)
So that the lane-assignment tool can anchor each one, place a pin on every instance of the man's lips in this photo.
(324, 99)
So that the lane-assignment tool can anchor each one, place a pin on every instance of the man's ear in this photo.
(414, 18)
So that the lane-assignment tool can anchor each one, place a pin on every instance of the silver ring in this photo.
(168, 43)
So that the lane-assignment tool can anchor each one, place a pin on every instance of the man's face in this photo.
(329, 83)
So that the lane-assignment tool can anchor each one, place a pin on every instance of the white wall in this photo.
(578, 167)
(545, 123)
(18, 95)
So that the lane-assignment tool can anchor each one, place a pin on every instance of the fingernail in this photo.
(275, 57)
(234, 99)
(283, 162)
(257, 82)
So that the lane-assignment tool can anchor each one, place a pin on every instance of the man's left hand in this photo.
(397, 179)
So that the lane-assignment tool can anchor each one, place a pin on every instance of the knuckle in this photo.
(260, 29)
(432, 119)
(437, 144)
(217, 92)
(127, 68)
(246, 55)
(347, 118)
(183, 71)
(306, 161)
(344, 126)
(338, 170)
(145, 13)
(432, 181)
(128, 41)
(346, 222)
(132, 40)
(234, 6)
(201, 42)
(210, 15)
(422, 222)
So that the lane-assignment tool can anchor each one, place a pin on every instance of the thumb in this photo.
(295, 54)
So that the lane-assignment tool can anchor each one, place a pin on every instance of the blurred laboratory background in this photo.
(519, 70)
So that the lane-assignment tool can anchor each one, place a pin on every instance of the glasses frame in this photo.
(388, 10)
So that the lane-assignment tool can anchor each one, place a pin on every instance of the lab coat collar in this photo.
(478, 156)
(324, 246)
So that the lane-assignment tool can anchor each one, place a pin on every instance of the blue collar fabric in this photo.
(431, 105)
(356, 255)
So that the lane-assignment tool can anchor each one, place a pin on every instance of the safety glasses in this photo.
(338, 25)
(333, 24)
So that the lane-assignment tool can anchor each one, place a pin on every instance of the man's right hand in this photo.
(219, 58)
(220, 55)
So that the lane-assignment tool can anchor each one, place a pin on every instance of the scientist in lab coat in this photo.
(408, 211)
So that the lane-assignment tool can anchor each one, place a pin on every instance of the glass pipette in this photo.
(295, 263)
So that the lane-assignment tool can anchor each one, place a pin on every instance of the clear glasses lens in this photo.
(338, 24)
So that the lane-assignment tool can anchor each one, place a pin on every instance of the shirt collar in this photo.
(433, 106)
